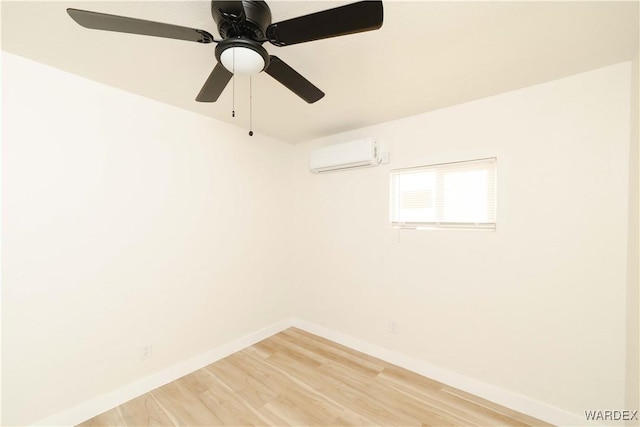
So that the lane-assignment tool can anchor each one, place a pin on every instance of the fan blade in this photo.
(122, 24)
(290, 78)
(340, 21)
(215, 84)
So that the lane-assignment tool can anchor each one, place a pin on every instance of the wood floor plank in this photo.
(465, 412)
(338, 353)
(343, 391)
(255, 388)
(106, 419)
(144, 411)
(295, 378)
(528, 420)
(183, 406)
(401, 407)
(231, 409)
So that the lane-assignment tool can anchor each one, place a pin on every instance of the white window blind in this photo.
(449, 195)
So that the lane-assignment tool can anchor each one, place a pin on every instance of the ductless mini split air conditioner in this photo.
(348, 155)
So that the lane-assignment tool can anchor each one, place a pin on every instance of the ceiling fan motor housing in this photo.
(241, 18)
(242, 25)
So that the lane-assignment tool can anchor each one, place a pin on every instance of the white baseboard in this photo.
(98, 405)
(481, 389)
(515, 401)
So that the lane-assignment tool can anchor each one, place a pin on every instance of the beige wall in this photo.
(537, 307)
(152, 224)
(125, 222)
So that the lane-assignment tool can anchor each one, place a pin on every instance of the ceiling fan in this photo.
(244, 26)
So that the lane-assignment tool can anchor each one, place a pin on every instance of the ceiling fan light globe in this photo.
(242, 60)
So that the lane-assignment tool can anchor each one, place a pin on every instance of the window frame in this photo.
(440, 169)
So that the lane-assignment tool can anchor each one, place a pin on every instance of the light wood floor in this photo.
(296, 378)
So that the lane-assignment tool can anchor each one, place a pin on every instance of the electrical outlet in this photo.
(386, 158)
(147, 351)
(393, 327)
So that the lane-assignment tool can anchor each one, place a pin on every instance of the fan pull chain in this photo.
(250, 107)
(233, 102)
(233, 83)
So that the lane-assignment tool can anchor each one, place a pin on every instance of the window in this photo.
(449, 195)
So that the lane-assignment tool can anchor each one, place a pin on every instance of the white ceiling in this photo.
(426, 56)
